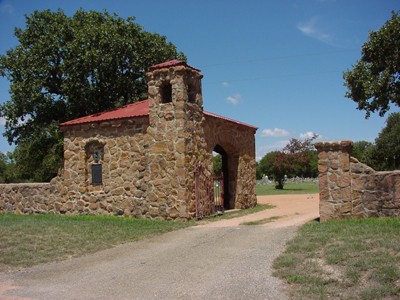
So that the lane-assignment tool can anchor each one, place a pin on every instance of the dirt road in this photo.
(219, 260)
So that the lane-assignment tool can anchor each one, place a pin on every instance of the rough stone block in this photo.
(323, 155)
(154, 211)
(334, 164)
(346, 208)
(344, 180)
(344, 161)
(326, 211)
(322, 166)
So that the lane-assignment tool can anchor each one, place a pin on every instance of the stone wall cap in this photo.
(335, 145)
(26, 184)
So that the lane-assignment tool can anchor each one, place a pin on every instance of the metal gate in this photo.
(209, 193)
(219, 193)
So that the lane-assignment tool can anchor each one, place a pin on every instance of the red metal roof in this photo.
(134, 110)
(171, 63)
(137, 109)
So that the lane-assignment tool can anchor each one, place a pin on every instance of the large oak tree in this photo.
(67, 67)
(374, 81)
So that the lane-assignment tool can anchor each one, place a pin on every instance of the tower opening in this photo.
(166, 93)
(191, 93)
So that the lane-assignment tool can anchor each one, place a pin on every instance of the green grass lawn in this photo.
(352, 259)
(288, 189)
(26, 240)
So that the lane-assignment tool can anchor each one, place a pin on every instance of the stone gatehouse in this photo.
(142, 159)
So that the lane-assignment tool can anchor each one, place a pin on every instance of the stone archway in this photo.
(236, 142)
(230, 161)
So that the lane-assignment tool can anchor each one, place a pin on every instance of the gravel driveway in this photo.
(219, 260)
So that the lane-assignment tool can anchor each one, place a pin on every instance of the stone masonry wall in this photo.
(121, 145)
(27, 198)
(350, 189)
(196, 154)
(123, 190)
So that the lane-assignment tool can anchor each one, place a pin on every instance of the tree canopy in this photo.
(387, 152)
(362, 151)
(374, 81)
(384, 155)
(67, 67)
(7, 168)
(217, 165)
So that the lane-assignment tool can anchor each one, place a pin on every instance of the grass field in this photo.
(353, 259)
(26, 240)
(288, 189)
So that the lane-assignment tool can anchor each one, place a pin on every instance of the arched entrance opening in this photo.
(221, 169)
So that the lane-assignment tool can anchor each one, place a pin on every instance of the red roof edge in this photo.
(133, 110)
(172, 63)
(229, 120)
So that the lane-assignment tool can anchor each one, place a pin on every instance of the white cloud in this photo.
(234, 99)
(276, 132)
(226, 84)
(311, 29)
(2, 121)
(7, 8)
(308, 135)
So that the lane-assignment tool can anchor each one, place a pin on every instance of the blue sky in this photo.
(277, 65)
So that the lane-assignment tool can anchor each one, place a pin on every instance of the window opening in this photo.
(191, 94)
(166, 93)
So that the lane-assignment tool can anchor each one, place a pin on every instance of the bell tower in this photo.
(175, 135)
(174, 84)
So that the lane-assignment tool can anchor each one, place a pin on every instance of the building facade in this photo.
(153, 158)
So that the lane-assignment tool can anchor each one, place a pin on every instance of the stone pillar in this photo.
(334, 180)
(174, 138)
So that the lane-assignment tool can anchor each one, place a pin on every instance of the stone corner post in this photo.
(334, 179)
